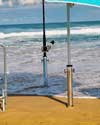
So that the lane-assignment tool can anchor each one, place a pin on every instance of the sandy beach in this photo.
(39, 110)
(38, 42)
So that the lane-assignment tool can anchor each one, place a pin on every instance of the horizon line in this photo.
(50, 22)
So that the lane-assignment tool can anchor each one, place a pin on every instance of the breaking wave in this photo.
(53, 32)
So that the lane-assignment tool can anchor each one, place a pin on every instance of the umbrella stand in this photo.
(44, 49)
(69, 67)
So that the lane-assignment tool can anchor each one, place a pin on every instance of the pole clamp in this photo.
(66, 70)
(71, 4)
(43, 60)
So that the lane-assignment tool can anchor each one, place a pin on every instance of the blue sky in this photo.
(54, 13)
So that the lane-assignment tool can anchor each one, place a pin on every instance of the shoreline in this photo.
(57, 96)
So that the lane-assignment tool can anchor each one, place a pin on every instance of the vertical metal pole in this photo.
(4, 89)
(5, 74)
(68, 36)
(70, 84)
(45, 73)
(69, 69)
(3, 101)
(44, 33)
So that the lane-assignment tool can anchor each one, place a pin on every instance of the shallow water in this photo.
(24, 63)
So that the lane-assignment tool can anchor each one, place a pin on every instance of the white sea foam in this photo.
(56, 32)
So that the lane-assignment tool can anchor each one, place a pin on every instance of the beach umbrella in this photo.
(82, 2)
(69, 67)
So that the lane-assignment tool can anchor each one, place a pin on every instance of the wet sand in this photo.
(39, 110)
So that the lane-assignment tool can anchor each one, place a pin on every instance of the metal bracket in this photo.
(43, 59)
(73, 70)
(71, 4)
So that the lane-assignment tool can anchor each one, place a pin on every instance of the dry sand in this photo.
(36, 110)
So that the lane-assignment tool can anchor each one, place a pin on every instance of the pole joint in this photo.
(69, 66)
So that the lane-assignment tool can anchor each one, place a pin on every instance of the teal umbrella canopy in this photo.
(82, 2)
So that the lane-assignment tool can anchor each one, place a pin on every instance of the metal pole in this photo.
(3, 100)
(44, 34)
(68, 35)
(69, 67)
(70, 85)
(4, 90)
(45, 60)
(5, 74)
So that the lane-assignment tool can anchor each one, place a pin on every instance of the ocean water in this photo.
(24, 66)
